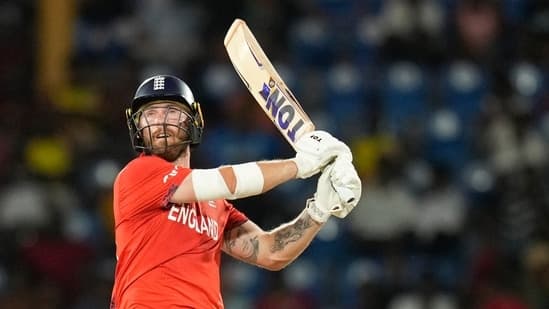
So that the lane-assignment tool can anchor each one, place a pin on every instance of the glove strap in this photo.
(315, 212)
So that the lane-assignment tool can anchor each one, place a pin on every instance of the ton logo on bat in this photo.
(282, 111)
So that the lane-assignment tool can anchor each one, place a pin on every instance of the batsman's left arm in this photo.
(273, 249)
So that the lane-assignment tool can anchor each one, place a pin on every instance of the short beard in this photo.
(170, 153)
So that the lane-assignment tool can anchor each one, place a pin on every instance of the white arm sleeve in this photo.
(208, 184)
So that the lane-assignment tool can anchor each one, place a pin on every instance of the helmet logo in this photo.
(158, 83)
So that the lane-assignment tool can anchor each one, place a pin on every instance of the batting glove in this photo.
(327, 200)
(315, 150)
(324, 198)
(344, 175)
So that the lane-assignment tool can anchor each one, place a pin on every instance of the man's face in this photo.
(164, 127)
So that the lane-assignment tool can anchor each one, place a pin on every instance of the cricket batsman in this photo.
(172, 222)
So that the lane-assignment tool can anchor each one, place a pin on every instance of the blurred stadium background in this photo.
(445, 104)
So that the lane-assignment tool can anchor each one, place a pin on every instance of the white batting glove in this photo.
(325, 198)
(315, 150)
(344, 175)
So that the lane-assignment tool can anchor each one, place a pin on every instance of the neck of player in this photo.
(184, 160)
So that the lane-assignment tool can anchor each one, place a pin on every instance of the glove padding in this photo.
(344, 175)
(315, 150)
(326, 201)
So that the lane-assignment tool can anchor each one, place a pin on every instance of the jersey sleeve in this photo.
(235, 218)
(148, 183)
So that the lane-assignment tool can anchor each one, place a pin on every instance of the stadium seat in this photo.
(346, 98)
(404, 96)
(310, 43)
(464, 88)
(445, 140)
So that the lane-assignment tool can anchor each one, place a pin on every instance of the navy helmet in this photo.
(169, 88)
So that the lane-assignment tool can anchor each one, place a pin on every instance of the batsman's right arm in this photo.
(234, 181)
(313, 152)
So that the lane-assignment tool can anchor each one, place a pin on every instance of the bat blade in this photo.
(265, 84)
(268, 88)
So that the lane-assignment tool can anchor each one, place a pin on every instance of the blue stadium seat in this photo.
(446, 142)
(367, 39)
(464, 88)
(346, 98)
(311, 43)
(404, 96)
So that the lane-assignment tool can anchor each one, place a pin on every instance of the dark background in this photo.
(444, 103)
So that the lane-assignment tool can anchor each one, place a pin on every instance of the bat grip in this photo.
(345, 194)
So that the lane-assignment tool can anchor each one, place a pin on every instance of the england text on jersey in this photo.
(187, 215)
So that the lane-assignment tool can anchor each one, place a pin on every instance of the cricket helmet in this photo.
(169, 88)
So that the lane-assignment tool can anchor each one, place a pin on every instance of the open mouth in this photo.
(162, 135)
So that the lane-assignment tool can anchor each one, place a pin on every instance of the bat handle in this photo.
(345, 194)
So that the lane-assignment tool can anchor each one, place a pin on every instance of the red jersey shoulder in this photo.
(142, 163)
(147, 166)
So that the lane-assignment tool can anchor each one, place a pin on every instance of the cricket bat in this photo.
(268, 88)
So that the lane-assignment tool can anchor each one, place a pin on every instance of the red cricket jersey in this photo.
(167, 255)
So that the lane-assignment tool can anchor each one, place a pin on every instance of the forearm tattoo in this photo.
(291, 233)
(248, 247)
